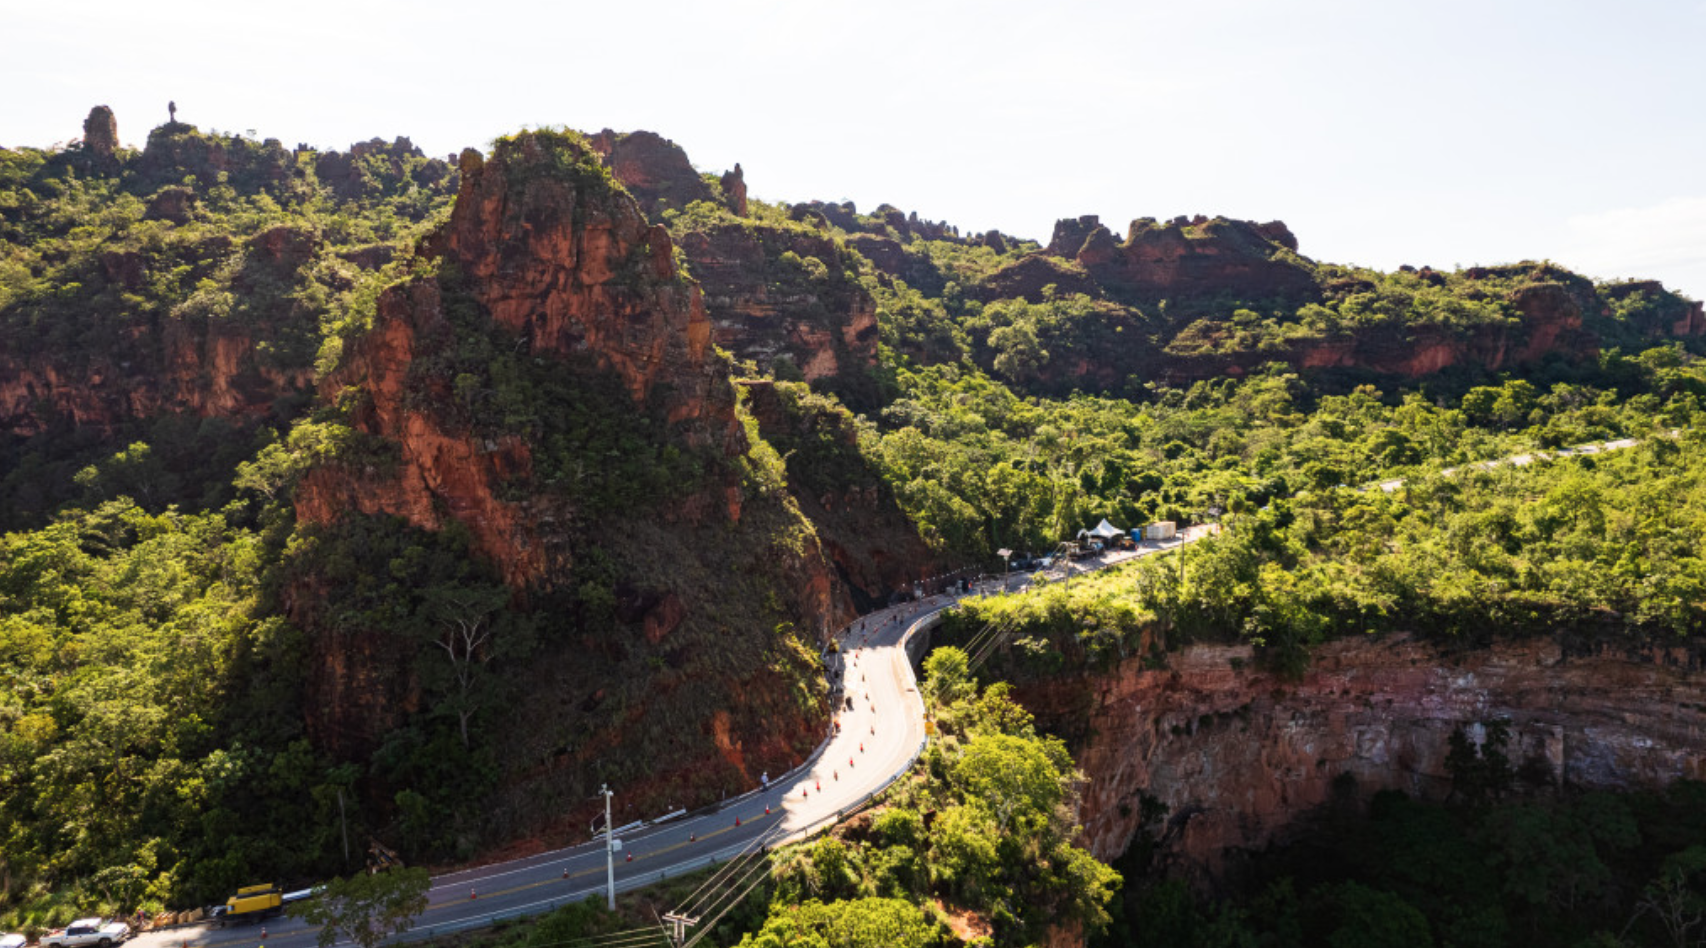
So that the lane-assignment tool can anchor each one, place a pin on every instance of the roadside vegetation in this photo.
(160, 745)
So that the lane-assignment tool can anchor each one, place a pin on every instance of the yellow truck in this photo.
(250, 904)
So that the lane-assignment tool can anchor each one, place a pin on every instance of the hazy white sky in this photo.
(1383, 132)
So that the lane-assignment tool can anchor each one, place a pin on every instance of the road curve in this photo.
(880, 718)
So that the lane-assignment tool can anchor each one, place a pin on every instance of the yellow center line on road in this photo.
(593, 871)
(872, 650)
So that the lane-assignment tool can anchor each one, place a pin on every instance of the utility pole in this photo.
(344, 824)
(609, 847)
(679, 925)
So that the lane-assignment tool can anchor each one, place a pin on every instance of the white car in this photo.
(13, 941)
(87, 933)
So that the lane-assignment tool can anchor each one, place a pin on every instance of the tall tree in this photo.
(366, 908)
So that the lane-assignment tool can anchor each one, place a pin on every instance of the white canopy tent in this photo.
(1103, 531)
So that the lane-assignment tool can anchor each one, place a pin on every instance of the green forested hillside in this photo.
(157, 746)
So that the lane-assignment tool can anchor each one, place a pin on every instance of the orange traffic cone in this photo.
(630, 857)
(737, 821)
(472, 895)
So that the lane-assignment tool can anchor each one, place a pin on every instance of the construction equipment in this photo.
(250, 904)
(381, 857)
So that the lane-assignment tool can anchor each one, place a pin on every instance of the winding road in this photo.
(880, 732)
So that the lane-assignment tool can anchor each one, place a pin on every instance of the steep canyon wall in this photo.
(1238, 755)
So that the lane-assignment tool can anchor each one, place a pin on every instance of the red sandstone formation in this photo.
(553, 260)
(573, 268)
(654, 169)
(734, 189)
(566, 268)
(763, 308)
(100, 132)
(176, 150)
(1028, 278)
(191, 364)
(1186, 258)
(1239, 755)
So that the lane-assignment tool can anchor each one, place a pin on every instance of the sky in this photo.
(1383, 133)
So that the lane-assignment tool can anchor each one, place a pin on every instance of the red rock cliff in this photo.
(141, 367)
(1238, 755)
(1186, 258)
(654, 169)
(777, 293)
(544, 253)
(567, 264)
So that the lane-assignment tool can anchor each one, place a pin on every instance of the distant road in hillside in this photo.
(1527, 458)
(880, 735)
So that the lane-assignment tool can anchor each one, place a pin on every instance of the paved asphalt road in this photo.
(879, 736)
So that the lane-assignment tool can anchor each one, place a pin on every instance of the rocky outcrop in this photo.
(1692, 322)
(570, 268)
(777, 293)
(1188, 258)
(842, 214)
(1665, 312)
(177, 150)
(1032, 276)
(377, 166)
(885, 253)
(734, 190)
(886, 221)
(442, 475)
(654, 169)
(125, 366)
(1549, 307)
(1239, 756)
(206, 368)
(100, 133)
(546, 257)
(1070, 235)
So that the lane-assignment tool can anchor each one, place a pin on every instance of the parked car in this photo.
(87, 933)
(13, 941)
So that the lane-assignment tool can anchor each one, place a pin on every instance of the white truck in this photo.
(87, 933)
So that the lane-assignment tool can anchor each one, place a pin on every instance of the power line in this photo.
(703, 932)
(994, 641)
(707, 928)
(628, 938)
(973, 642)
(728, 869)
